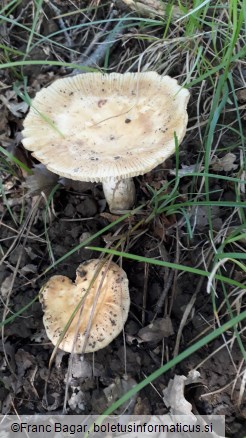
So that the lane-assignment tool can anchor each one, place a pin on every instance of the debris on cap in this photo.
(104, 309)
(107, 128)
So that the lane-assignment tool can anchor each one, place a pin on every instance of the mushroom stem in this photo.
(120, 195)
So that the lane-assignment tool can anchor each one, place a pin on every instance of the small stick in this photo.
(61, 24)
(164, 293)
(96, 57)
(146, 275)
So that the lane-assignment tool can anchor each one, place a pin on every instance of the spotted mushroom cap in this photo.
(95, 127)
(60, 296)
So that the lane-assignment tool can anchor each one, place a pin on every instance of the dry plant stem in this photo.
(145, 289)
(188, 310)
(96, 57)
(6, 311)
(14, 231)
(164, 293)
(28, 224)
(242, 389)
(120, 195)
(17, 19)
(61, 24)
(183, 322)
(221, 390)
(153, 386)
(21, 234)
(176, 260)
(168, 279)
(226, 344)
(242, 386)
(224, 338)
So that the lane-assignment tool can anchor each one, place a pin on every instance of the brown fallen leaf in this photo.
(174, 398)
(225, 163)
(119, 387)
(241, 95)
(42, 180)
(157, 330)
(199, 218)
(6, 286)
(16, 108)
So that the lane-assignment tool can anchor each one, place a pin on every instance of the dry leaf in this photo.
(77, 400)
(225, 163)
(199, 219)
(241, 95)
(57, 401)
(6, 285)
(186, 170)
(174, 398)
(29, 268)
(16, 108)
(242, 185)
(4, 127)
(157, 330)
(42, 180)
(193, 377)
(80, 367)
(39, 336)
(24, 361)
(119, 387)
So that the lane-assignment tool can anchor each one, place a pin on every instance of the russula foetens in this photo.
(104, 309)
(107, 128)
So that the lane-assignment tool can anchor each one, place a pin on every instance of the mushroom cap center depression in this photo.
(109, 128)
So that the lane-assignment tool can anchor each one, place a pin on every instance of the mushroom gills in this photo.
(120, 195)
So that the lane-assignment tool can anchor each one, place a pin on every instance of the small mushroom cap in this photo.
(95, 127)
(60, 296)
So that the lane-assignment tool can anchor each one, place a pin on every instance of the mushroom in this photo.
(103, 311)
(107, 128)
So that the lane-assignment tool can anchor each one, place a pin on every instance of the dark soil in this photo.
(35, 236)
(26, 351)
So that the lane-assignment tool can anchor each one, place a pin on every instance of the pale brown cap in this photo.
(60, 296)
(95, 127)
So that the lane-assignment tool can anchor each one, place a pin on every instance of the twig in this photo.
(61, 24)
(145, 289)
(164, 293)
(99, 53)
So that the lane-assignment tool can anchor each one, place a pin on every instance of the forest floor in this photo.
(192, 215)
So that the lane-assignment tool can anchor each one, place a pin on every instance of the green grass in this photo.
(175, 361)
(205, 49)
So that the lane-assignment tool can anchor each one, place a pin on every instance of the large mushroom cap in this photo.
(60, 296)
(95, 127)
